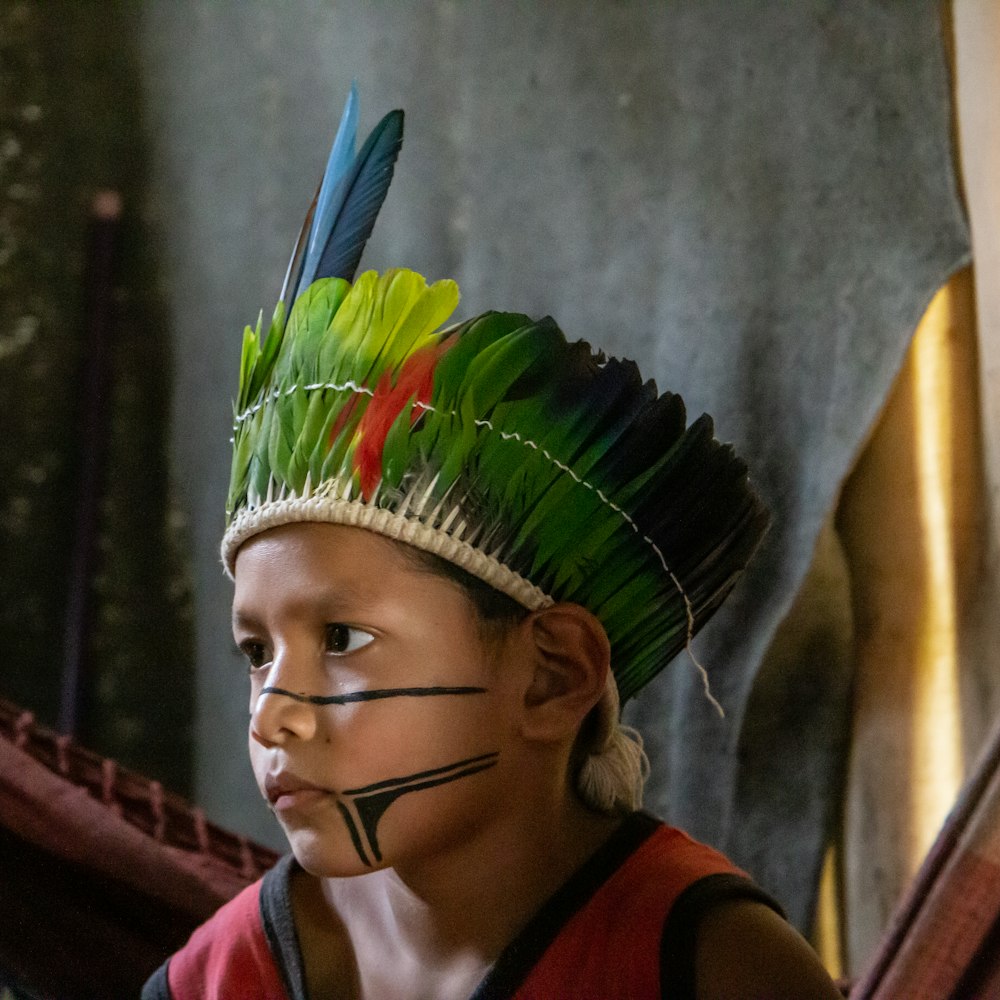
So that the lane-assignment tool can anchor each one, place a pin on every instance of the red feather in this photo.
(341, 422)
(415, 382)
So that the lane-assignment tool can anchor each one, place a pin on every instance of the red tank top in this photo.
(600, 937)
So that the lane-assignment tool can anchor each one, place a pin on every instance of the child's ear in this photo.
(571, 657)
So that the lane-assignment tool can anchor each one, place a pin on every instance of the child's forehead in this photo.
(319, 546)
(332, 565)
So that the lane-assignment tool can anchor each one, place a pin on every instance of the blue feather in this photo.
(357, 200)
(343, 212)
(339, 162)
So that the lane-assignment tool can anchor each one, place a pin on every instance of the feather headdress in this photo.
(538, 465)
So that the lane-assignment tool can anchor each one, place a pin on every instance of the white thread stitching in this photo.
(274, 394)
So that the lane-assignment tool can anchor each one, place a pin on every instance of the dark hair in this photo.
(492, 607)
(606, 775)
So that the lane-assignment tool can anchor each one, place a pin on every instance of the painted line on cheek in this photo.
(371, 802)
(490, 758)
(376, 694)
(352, 829)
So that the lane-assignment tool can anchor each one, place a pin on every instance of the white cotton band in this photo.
(337, 510)
(612, 776)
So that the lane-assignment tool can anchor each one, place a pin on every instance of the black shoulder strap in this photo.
(279, 926)
(680, 930)
(518, 959)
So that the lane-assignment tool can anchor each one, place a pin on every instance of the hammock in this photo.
(944, 940)
(104, 874)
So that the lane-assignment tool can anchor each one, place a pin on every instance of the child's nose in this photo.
(281, 708)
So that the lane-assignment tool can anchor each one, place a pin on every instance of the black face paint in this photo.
(373, 695)
(362, 808)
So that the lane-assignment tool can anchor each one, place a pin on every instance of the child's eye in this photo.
(341, 639)
(255, 652)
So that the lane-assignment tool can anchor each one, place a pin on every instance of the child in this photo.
(454, 555)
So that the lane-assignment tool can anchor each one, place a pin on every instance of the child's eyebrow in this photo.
(330, 604)
(243, 620)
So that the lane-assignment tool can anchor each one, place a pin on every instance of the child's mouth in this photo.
(285, 791)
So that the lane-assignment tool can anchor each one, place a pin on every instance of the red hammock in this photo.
(103, 874)
(944, 940)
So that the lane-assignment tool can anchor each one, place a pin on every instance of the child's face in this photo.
(379, 718)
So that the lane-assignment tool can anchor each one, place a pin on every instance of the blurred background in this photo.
(786, 212)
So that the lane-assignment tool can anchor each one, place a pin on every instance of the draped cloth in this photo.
(104, 874)
(944, 940)
(755, 201)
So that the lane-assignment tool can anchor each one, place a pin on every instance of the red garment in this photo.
(600, 937)
(610, 949)
(228, 956)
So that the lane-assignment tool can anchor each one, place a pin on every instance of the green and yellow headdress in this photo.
(541, 467)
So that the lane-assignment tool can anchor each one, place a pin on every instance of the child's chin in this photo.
(326, 857)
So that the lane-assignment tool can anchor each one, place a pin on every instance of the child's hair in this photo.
(609, 765)
(611, 775)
